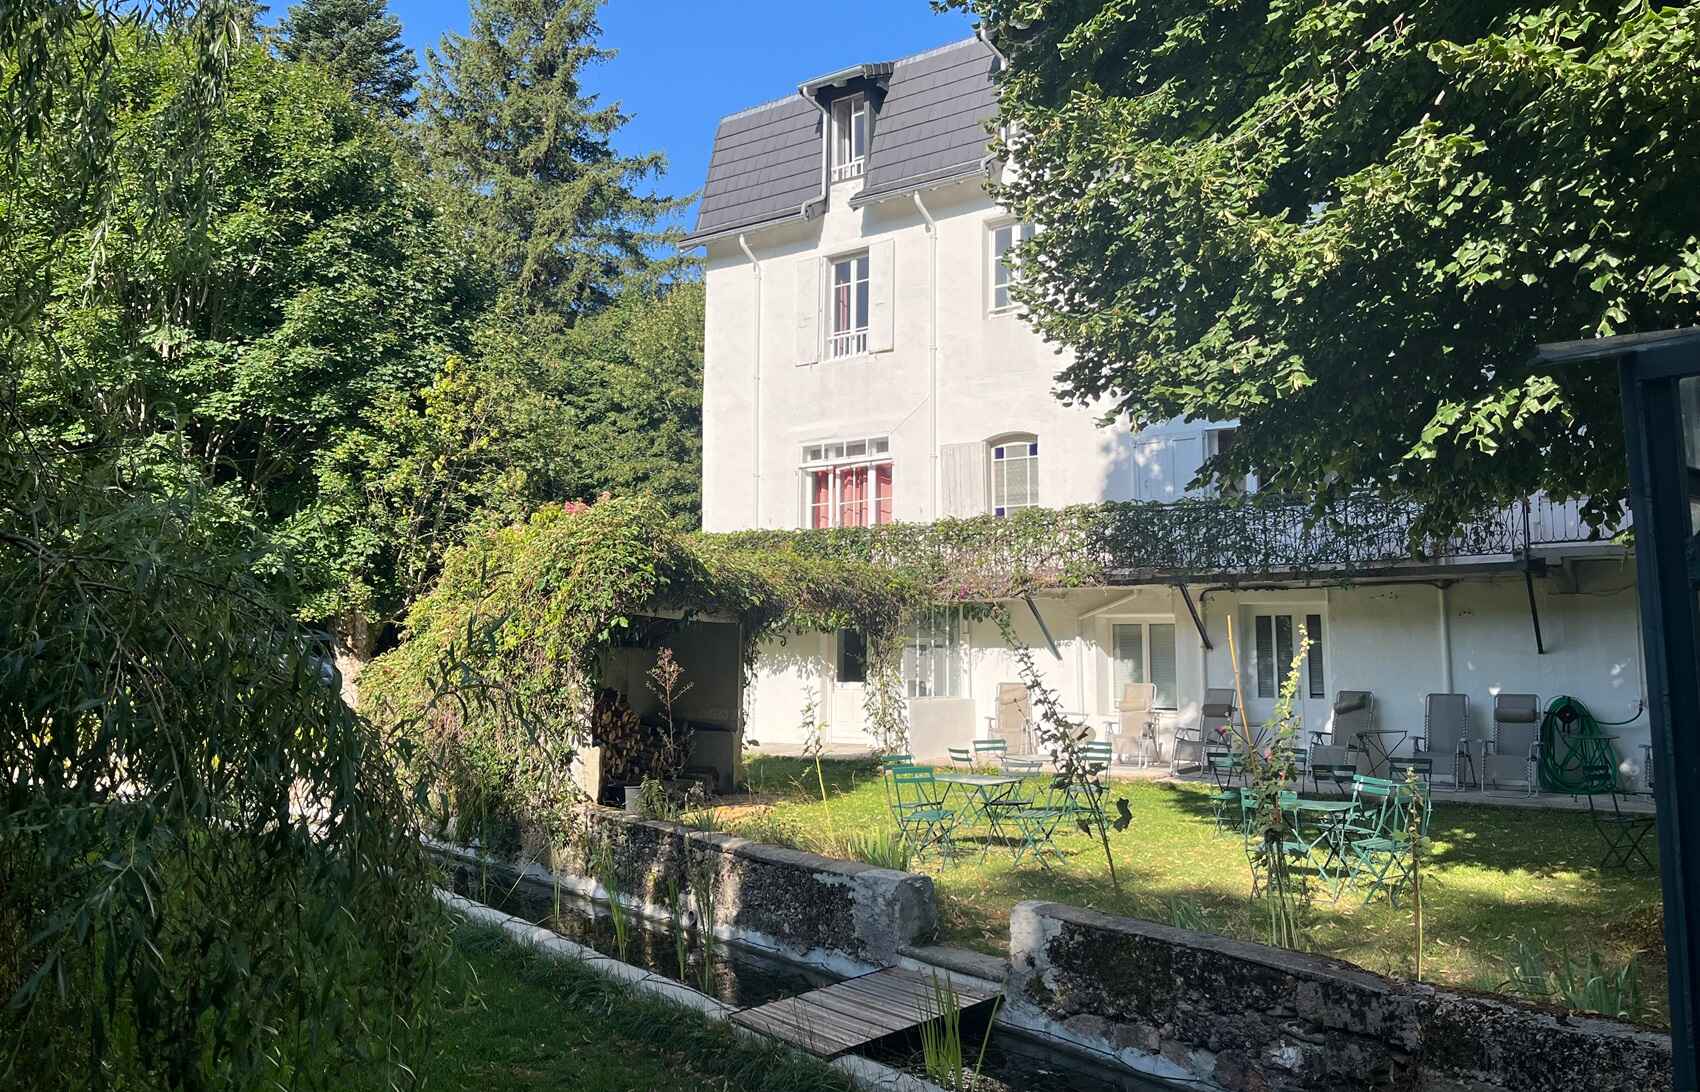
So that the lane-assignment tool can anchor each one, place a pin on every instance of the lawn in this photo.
(1493, 874)
(509, 1018)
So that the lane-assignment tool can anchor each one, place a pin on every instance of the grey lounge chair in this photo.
(1511, 755)
(1354, 714)
(1136, 723)
(1014, 720)
(1445, 741)
(1217, 715)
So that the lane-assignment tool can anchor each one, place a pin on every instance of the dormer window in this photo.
(849, 136)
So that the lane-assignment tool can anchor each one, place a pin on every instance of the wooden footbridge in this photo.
(847, 1015)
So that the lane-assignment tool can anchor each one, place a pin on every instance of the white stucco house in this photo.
(864, 364)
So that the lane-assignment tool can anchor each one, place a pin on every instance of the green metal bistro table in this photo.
(1328, 830)
(981, 793)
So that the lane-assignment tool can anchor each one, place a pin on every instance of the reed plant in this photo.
(676, 923)
(704, 874)
(942, 1052)
(607, 875)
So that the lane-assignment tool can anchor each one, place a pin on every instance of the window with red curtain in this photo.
(853, 496)
(820, 499)
(882, 493)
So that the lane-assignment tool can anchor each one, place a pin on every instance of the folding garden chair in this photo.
(1335, 766)
(1035, 822)
(1216, 715)
(1622, 831)
(1400, 765)
(1136, 723)
(1354, 714)
(1379, 843)
(961, 758)
(1022, 766)
(1511, 755)
(1445, 740)
(990, 750)
(1013, 722)
(918, 806)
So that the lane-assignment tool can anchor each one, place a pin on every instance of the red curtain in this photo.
(820, 499)
(882, 493)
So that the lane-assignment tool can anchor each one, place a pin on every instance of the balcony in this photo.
(1196, 540)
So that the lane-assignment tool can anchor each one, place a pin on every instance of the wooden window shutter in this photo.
(962, 479)
(808, 310)
(882, 263)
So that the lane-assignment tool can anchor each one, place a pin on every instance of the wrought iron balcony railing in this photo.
(1122, 542)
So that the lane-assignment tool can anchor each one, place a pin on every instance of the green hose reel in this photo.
(1576, 756)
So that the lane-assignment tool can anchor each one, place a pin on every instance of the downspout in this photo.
(1445, 643)
(933, 347)
(808, 208)
(755, 386)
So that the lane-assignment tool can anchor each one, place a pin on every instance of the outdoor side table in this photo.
(1375, 739)
(980, 792)
(1331, 816)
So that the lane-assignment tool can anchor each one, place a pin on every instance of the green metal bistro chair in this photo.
(1022, 765)
(917, 805)
(1035, 822)
(990, 750)
(961, 758)
(1378, 839)
(886, 763)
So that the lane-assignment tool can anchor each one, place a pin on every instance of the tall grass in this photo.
(941, 1037)
(1535, 969)
(880, 848)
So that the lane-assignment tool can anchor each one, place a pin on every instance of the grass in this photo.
(1491, 875)
(510, 1018)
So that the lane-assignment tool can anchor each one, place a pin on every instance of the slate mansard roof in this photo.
(929, 127)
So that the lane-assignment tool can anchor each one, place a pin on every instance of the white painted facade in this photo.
(947, 374)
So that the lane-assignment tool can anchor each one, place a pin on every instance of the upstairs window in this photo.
(1015, 474)
(847, 483)
(1219, 441)
(850, 137)
(1003, 238)
(849, 307)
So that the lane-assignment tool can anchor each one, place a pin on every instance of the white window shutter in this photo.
(882, 268)
(1153, 464)
(962, 479)
(808, 310)
(1189, 456)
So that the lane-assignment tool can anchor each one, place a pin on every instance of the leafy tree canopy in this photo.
(1347, 225)
(358, 41)
(325, 281)
(530, 155)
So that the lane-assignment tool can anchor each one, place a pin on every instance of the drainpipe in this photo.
(818, 202)
(933, 346)
(1445, 643)
(755, 387)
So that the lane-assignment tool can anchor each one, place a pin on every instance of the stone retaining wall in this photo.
(843, 915)
(1242, 1016)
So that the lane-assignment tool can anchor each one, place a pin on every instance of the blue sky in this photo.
(684, 64)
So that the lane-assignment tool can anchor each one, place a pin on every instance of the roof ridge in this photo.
(783, 99)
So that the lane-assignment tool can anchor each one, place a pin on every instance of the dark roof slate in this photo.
(930, 126)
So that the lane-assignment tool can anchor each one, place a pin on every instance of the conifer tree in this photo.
(530, 154)
(358, 41)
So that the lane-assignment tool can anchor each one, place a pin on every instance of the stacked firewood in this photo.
(631, 748)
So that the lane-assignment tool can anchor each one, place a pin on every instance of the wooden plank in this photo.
(846, 1015)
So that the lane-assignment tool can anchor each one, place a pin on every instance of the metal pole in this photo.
(1659, 500)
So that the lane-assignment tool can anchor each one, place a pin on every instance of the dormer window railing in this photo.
(850, 137)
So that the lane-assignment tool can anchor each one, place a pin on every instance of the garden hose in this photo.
(1588, 762)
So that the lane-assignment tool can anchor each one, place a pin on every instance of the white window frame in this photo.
(834, 456)
(1317, 668)
(850, 121)
(999, 273)
(1145, 622)
(1023, 440)
(934, 635)
(852, 339)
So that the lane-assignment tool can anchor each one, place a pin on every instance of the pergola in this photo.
(1659, 375)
